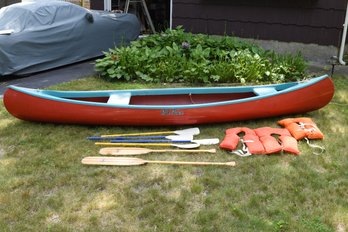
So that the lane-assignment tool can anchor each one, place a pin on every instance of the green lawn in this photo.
(44, 187)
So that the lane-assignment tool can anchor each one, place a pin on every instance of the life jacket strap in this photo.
(320, 149)
(311, 130)
(244, 152)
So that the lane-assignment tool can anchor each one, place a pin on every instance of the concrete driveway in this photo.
(51, 77)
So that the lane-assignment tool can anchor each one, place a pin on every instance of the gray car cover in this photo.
(36, 36)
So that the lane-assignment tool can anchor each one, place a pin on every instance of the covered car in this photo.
(36, 36)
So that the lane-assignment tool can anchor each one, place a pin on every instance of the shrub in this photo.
(176, 56)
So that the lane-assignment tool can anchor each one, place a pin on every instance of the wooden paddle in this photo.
(190, 131)
(140, 151)
(128, 161)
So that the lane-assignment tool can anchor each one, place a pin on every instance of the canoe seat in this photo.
(264, 90)
(119, 98)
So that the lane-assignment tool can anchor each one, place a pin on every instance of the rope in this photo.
(314, 146)
(190, 95)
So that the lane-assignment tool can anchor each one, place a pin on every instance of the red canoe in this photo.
(173, 106)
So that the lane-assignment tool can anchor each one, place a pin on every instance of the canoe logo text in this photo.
(171, 112)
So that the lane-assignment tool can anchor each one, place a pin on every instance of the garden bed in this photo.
(176, 56)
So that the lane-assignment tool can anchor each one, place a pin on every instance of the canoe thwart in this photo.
(119, 98)
(265, 90)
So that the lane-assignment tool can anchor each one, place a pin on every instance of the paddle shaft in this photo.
(141, 151)
(190, 163)
(144, 133)
(200, 141)
(187, 151)
(170, 137)
(132, 144)
(193, 145)
(190, 131)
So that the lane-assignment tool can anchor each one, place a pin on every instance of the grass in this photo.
(44, 187)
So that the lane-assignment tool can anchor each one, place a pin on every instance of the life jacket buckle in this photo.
(244, 152)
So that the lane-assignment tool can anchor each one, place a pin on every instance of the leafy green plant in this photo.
(176, 56)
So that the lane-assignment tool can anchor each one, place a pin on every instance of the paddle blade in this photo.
(113, 161)
(123, 151)
(206, 141)
(190, 131)
(186, 146)
(179, 137)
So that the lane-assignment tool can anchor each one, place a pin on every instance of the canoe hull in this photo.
(33, 108)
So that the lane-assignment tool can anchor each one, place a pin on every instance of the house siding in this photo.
(8, 2)
(97, 5)
(305, 21)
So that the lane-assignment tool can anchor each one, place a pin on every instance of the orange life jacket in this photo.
(302, 128)
(270, 143)
(251, 140)
(260, 141)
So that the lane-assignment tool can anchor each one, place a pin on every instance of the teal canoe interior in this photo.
(170, 99)
(187, 99)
